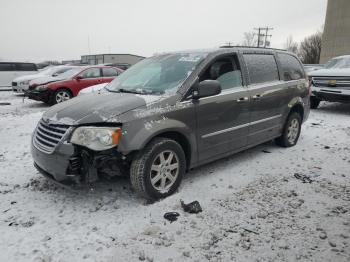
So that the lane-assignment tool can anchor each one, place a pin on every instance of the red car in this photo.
(55, 90)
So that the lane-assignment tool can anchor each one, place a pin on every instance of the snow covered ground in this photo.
(254, 209)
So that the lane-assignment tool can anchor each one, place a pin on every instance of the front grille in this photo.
(335, 82)
(14, 83)
(47, 136)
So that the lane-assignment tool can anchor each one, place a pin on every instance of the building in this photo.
(336, 35)
(116, 59)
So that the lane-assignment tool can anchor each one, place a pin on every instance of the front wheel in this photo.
(157, 170)
(291, 131)
(314, 102)
(61, 95)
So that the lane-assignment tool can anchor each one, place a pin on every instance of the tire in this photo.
(291, 131)
(314, 102)
(149, 165)
(60, 96)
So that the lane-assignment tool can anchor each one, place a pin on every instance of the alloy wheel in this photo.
(62, 96)
(164, 171)
(293, 131)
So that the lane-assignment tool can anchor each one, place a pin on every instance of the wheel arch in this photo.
(179, 138)
(296, 105)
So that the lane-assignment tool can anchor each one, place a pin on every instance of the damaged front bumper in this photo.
(69, 164)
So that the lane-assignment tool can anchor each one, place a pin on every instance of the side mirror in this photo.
(206, 88)
(78, 78)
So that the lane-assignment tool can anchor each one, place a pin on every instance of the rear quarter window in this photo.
(262, 68)
(291, 67)
(7, 67)
(26, 67)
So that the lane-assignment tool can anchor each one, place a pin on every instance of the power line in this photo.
(264, 35)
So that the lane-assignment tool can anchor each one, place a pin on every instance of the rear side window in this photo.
(25, 67)
(7, 67)
(291, 67)
(109, 72)
(261, 68)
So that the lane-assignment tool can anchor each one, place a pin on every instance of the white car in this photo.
(92, 89)
(21, 84)
(331, 83)
(11, 70)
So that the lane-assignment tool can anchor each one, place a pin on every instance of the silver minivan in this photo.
(11, 70)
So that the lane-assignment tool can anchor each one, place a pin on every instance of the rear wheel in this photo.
(61, 95)
(314, 102)
(291, 131)
(157, 170)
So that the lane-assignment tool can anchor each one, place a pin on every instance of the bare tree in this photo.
(249, 39)
(290, 45)
(310, 49)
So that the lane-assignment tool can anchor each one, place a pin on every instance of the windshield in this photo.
(47, 71)
(157, 75)
(70, 73)
(338, 63)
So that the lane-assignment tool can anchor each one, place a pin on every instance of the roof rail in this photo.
(253, 47)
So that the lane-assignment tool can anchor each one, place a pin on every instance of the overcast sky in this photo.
(36, 30)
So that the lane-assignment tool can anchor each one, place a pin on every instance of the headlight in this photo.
(96, 138)
(24, 83)
(41, 88)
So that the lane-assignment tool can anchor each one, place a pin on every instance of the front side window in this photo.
(157, 75)
(292, 69)
(109, 72)
(262, 68)
(91, 73)
(226, 70)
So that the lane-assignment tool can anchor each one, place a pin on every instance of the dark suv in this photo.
(173, 112)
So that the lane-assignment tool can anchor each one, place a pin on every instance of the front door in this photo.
(222, 120)
(89, 77)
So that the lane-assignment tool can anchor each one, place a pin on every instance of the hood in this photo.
(92, 89)
(96, 108)
(27, 77)
(331, 72)
(45, 80)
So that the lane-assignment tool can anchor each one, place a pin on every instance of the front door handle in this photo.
(256, 97)
(242, 99)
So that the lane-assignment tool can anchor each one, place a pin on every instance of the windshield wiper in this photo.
(122, 90)
(134, 91)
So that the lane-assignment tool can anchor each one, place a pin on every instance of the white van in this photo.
(11, 70)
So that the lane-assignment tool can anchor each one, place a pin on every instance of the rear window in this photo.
(109, 72)
(292, 69)
(261, 68)
(25, 67)
(7, 67)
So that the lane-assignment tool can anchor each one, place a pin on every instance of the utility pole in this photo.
(263, 35)
(267, 35)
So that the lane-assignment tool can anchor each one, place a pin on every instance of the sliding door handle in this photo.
(242, 99)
